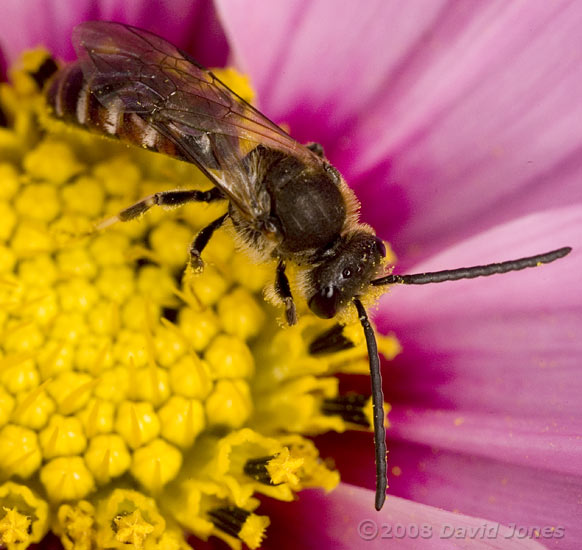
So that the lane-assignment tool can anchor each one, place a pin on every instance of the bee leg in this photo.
(201, 240)
(172, 198)
(317, 148)
(283, 289)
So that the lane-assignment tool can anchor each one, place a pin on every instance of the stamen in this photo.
(77, 525)
(349, 407)
(240, 523)
(330, 341)
(256, 468)
(14, 527)
(132, 529)
(229, 519)
(41, 75)
(24, 516)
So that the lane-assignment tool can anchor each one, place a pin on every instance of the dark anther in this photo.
(47, 68)
(170, 313)
(349, 407)
(229, 519)
(256, 468)
(142, 262)
(330, 341)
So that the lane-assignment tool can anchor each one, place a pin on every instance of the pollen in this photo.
(121, 368)
(75, 524)
(132, 529)
(14, 527)
(23, 516)
(283, 468)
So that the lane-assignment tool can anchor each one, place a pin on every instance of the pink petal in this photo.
(531, 290)
(492, 134)
(345, 519)
(501, 354)
(497, 491)
(190, 24)
(468, 484)
(314, 69)
(508, 344)
(533, 442)
(460, 116)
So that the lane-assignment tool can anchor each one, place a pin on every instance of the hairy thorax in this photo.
(306, 211)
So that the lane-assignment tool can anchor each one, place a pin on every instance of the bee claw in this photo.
(290, 312)
(196, 263)
(103, 224)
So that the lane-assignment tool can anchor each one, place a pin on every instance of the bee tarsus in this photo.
(169, 199)
(317, 148)
(201, 240)
(283, 290)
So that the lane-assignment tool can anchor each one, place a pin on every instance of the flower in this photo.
(464, 120)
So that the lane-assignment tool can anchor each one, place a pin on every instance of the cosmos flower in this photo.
(458, 127)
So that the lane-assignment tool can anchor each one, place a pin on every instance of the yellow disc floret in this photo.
(67, 478)
(23, 516)
(75, 525)
(21, 455)
(107, 457)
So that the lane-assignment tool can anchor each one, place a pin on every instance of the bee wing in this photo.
(212, 125)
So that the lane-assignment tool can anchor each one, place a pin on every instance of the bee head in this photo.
(346, 273)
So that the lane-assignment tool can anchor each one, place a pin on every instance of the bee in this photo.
(286, 202)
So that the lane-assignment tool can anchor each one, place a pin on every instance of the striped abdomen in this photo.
(71, 100)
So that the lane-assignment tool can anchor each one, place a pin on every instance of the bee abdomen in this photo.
(64, 91)
(71, 100)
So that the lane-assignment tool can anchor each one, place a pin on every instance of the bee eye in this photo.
(381, 247)
(347, 273)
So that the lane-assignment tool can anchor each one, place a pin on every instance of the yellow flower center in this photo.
(118, 370)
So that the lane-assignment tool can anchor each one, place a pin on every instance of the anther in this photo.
(256, 468)
(229, 519)
(330, 341)
(349, 407)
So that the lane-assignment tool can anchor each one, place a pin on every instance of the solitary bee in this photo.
(286, 202)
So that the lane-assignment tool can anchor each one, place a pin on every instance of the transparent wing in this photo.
(213, 126)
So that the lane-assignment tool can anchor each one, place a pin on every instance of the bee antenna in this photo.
(472, 272)
(377, 404)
